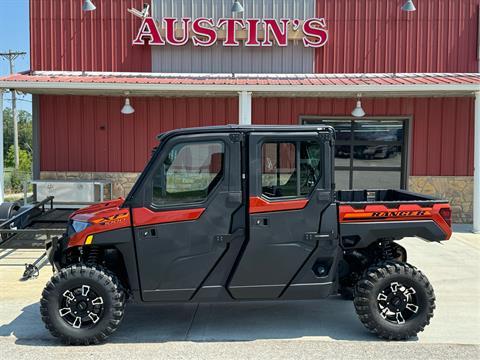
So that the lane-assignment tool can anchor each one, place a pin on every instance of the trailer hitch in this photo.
(33, 270)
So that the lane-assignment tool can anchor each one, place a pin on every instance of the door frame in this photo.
(229, 183)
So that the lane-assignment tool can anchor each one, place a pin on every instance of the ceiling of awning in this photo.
(168, 84)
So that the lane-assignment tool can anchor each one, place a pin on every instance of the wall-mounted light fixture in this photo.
(358, 110)
(409, 6)
(127, 108)
(88, 5)
(237, 7)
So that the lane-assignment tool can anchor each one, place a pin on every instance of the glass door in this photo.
(369, 153)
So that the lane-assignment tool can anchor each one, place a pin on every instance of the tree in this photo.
(24, 130)
(24, 157)
(24, 171)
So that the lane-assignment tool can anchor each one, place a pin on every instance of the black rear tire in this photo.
(82, 305)
(394, 300)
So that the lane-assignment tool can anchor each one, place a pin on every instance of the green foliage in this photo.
(24, 130)
(24, 168)
(24, 172)
(16, 181)
(24, 160)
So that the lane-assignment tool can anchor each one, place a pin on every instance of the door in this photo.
(190, 196)
(369, 153)
(290, 187)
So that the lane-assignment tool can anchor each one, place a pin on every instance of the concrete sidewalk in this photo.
(453, 267)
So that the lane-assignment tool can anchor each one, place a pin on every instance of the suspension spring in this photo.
(387, 250)
(93, 255)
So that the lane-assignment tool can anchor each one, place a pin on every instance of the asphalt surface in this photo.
(275, 330)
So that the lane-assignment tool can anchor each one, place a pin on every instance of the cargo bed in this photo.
(376, 215)
(384, 196)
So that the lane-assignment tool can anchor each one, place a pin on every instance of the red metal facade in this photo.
(80, 133)
(63, 37)
(86, 133)
(90, 134)
(364, 36)
(441, 128)
(367, 36)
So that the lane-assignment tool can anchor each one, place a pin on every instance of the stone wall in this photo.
(457, 189)
(121, 182)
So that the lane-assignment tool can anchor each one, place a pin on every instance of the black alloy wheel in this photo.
(394, 300)
(82, 305)
(397, 304)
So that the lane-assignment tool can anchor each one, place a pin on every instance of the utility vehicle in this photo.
(237, 213)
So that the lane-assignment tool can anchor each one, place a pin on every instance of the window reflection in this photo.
(377, 155)
(378, 130)
(342, 179)
(376, 179)
(368, 153)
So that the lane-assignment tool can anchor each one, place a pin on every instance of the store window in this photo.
(189, 173)
(368, 153)
(291, 168)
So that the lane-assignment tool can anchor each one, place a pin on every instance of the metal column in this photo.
(245, 108)
(476, 166)
(1, 149)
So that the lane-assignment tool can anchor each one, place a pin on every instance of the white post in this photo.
(1, 149)
(476, 166)
(245, 108)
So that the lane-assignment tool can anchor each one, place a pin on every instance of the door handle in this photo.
(260, 221)
(151, 232)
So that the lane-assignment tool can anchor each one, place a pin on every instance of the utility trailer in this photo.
(34, 226)
(31, 227)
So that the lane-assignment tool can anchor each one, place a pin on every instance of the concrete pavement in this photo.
(305, 329)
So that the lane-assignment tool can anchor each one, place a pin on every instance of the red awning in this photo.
(247, 79)
(147, 83)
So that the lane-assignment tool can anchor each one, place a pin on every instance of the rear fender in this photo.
(361, 227)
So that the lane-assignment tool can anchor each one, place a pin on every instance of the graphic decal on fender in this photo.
(386, 214)
(404, 212)
(260, 205)
(108, 220)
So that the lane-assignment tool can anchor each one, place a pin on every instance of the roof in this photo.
(247, 129)
(148, 83)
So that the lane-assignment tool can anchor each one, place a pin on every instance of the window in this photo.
(291, 168)
(369, 154)
(189, 173)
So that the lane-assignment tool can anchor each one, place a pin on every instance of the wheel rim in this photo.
(397, 303)
(81, 307)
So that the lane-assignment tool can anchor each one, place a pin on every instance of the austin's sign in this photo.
(231, 31)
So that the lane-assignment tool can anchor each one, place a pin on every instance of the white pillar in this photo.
(1, 149)
(476, 166)
(245, 108)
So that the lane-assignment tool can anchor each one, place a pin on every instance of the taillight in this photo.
(446, 214)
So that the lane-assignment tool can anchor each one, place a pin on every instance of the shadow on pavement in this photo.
(332, 319)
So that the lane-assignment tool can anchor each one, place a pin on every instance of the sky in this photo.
(15, 36)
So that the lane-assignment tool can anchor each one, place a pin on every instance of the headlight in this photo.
(79, 225)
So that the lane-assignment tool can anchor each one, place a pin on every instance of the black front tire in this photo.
(62, 296)
(384, 288)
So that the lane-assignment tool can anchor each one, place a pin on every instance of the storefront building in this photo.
(185, 63)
